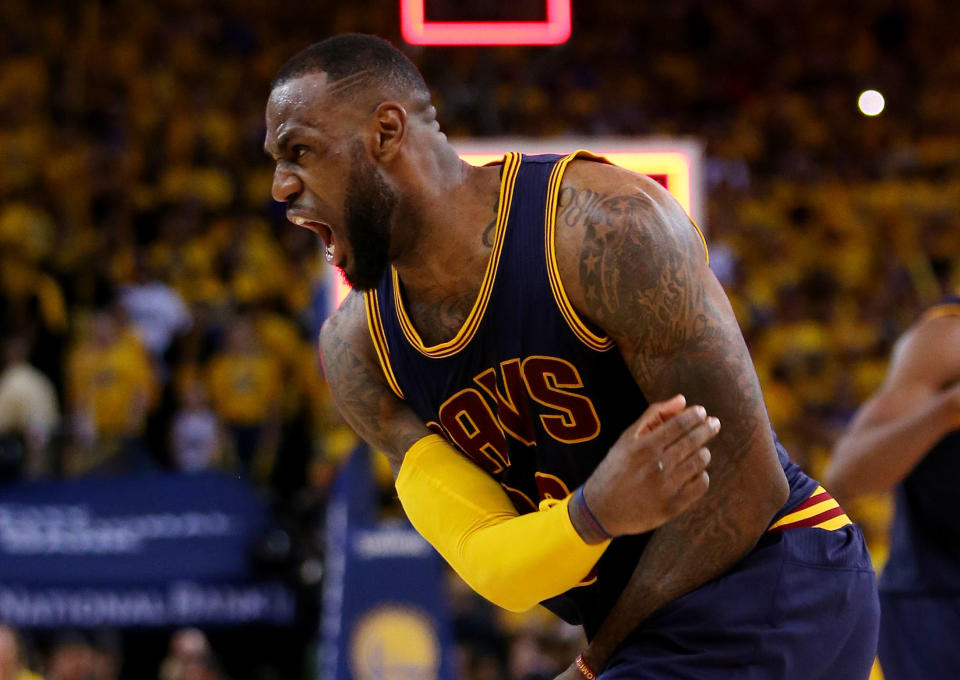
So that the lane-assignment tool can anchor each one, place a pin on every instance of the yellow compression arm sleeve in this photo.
(513, 560)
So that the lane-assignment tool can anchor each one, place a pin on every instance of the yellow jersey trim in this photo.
(511, 166)
(819, 511)
(589, 338)
(379, 338)
(834, 523)
(806, 513)
(579, 328)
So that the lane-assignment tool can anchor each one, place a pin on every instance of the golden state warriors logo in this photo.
(394, 643)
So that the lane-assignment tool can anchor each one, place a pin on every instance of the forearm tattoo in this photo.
(359, 390)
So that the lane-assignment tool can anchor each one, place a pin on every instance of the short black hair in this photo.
(356, 54)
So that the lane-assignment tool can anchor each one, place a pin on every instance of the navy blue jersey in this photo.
(527, 389)
(925, 534)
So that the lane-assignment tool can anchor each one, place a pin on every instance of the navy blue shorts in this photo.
(802, 606)
(918, 637)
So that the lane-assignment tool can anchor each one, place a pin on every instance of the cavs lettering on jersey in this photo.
(527, 389)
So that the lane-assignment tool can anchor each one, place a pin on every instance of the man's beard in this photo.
(368, 207)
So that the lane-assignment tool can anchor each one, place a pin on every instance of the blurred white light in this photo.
(870, 103)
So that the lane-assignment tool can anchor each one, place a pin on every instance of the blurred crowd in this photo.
(157, 313)
(77, 655)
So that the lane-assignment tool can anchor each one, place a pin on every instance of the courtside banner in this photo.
(134, 551)
(384, 605)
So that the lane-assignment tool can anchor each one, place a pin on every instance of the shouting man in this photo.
(523, 340)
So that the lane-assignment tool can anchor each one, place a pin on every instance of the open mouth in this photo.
(324, 232)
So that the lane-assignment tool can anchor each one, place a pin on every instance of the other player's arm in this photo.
(515, 561)
(918, 403)
(633, 264)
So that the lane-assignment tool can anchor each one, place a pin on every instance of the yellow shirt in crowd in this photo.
(112, 384)
(244, 388)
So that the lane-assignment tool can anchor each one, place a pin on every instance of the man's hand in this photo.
(654, 472)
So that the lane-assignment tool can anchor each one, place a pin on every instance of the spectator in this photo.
(245, 386)
(32, 304)
(29, 414)
(12, 663)
(107, 655)
(196, 439)
(155, 309)
(72, 658)
(189, 658)
(110, 390)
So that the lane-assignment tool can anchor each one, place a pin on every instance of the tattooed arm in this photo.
(359, 389)
(633, 264)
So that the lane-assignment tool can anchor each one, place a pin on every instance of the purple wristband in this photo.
(580, 500)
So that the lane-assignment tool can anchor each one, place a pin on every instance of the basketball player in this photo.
(907, 438)
(508, 325)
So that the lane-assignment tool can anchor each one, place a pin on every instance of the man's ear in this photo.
(390, 127)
